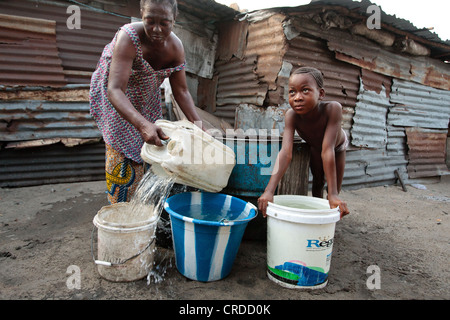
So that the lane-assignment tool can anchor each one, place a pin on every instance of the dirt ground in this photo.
(45, 236)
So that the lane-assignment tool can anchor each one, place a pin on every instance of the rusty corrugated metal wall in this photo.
(426, 155)
(424, 112)
(46, 133)
(379, 123)
(52, 164)
(417, 105)
(368, 80)
(250, 77)
(361, 52)
(28, 52)
(53, 138)
(237, 83)
(266, 40)
(36, 119)
(78, 49)
(369, 122)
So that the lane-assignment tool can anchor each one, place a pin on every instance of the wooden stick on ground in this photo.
(400, 179)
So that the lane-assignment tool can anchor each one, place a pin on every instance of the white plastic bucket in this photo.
(300, 232)
(125, 250)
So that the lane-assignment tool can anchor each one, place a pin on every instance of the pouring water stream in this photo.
(147, 204)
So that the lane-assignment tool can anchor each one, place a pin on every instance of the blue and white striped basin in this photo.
(207, 230)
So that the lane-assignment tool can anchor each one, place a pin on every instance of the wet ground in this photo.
(393, 246)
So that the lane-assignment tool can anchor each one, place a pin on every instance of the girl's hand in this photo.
(336, 202)
(263, 202)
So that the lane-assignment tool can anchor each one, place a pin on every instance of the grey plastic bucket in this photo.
(125, 250)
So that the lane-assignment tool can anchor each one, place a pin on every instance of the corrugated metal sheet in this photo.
(52, 164)
(207, 10)
(341, 80)
(369, 122)
(376, 82)
(396, 143)
(71, 92)
(200, 43)
(232, 40)
(364, 53)
(344, 59)
(419, 106)
(237, 84)
(372, 168)
(268, 118)
(387, 153)
(426, 152)
(79, 49)
(28, 52)
(34, 119)
(392, 23)
(421, 70)
(266, 40)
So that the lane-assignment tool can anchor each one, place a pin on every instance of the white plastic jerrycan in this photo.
(191, 155)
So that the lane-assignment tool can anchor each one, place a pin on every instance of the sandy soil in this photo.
(46, 233)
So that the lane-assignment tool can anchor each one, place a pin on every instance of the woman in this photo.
(125, 92)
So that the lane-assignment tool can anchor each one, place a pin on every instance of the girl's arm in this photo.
(334, 110)
(281, 164)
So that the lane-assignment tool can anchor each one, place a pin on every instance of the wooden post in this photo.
(295, 180)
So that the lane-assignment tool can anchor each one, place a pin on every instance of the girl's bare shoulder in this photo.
(331, 105)
(290, 116)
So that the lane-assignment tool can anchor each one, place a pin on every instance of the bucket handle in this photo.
(113, 264)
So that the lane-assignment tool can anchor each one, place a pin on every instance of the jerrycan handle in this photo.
(165, 142)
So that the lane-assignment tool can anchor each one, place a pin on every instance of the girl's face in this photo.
(158, 20)
(304, 94)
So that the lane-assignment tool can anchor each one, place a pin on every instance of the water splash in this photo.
(160, 267)
(148, 200)
(147, 204)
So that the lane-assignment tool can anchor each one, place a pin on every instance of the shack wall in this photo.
(389, 98)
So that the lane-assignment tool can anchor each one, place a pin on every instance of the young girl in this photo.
(125, 92)
(319, 124)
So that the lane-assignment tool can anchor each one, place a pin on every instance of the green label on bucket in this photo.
(294, 273)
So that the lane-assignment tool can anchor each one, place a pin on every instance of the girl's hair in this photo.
(172, 3)
(315, 73)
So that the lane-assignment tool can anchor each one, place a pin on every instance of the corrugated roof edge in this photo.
(360, 8)
(198, 8)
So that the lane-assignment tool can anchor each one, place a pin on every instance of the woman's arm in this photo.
(182, 95)
(120, 71)
(179, 86)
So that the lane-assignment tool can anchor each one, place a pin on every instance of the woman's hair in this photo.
(315, 73)
(172, 3)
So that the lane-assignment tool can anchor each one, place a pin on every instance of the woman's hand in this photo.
(152, 134)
